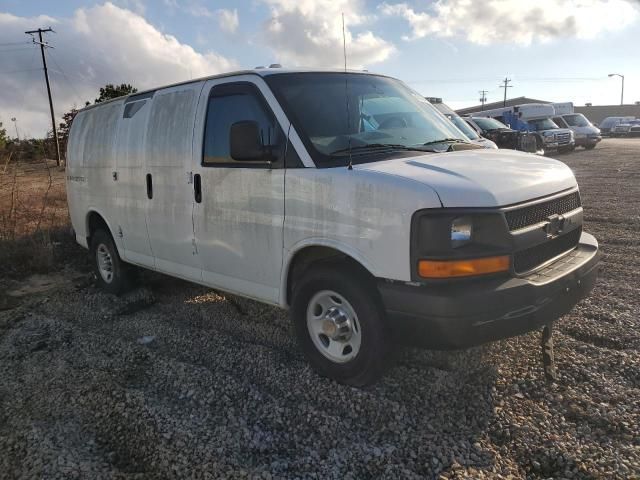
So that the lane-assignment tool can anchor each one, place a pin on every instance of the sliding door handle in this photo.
(197, 188)
(149, 186)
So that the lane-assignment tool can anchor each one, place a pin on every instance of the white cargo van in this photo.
(585, 133)
(359, 209)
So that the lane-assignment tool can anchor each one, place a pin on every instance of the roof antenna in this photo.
(346, 90)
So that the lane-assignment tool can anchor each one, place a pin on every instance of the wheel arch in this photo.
(311, 253)
(96, 220)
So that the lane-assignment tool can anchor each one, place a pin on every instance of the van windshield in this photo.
(335, 113)
(576, 120)
(488, 124)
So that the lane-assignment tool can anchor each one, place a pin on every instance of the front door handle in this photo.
(149, 186)
(197, 188)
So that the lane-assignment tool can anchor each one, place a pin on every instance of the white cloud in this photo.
(98, 45)
(228, 20)
(309, 33)
(520, 22)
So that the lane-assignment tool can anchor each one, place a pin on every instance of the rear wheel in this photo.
(340, 325)
(590, 146)
(112, 274)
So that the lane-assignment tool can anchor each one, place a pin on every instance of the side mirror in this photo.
(245, 144)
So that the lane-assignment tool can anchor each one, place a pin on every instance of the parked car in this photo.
(463, 126)
(609, 123)
(535, 117)
(371, 224)
(585, 133)
(629, 128)
(505, 137)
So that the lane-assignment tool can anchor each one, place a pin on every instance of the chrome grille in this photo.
(563, 137)
(527, 143)
(533, 214)
(530, 258)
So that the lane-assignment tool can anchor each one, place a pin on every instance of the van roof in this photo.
(260, 71)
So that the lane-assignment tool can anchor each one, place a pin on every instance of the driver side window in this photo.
(227, 105)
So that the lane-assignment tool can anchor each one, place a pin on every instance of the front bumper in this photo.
(558, 145)
(582, 141)
(465, 314)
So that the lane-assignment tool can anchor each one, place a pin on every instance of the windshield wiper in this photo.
(445, 140)
(376, 146)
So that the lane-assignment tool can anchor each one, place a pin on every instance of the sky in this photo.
(556, 50)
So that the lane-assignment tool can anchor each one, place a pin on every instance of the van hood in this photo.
(480, 178)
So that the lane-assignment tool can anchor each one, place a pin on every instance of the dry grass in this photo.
(34, 220)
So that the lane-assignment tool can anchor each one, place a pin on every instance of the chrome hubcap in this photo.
(333, 326)
(105, 263)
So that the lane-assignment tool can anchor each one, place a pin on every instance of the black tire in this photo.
(590, 146)
(122, 274)
(369, 363)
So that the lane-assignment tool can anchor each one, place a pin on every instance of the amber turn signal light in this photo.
(462, 268)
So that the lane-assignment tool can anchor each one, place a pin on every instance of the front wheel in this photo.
(340, 325)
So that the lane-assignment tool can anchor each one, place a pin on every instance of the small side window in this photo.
(130, 109)
(228, 105)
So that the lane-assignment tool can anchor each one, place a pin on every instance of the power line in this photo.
(7, 72)
(14, 43)
(72, 84)
(42, 44)
(506, 85)
(522, 79)
(17, 49)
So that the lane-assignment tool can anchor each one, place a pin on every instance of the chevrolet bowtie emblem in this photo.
(554, 225)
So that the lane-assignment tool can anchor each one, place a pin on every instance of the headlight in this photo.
(440, 237)
(549, 137)
(461, 231)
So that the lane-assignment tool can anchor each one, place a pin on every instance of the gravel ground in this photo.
(175, 380)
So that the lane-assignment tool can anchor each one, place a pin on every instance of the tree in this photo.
(3, 137)
(110, 91)
(65, 127)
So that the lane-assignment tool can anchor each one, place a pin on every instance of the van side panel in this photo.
(77, 192)
(92, 164)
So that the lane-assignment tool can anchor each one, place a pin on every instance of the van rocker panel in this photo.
(469, 313)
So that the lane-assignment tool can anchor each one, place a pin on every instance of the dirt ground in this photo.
(178, 381)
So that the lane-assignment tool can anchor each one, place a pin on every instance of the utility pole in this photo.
(506, 85)
(42, 44)
(15, 124)
(483, 98)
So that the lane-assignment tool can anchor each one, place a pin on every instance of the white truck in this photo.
(371, 228)
(585, 133)
(536, 118)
